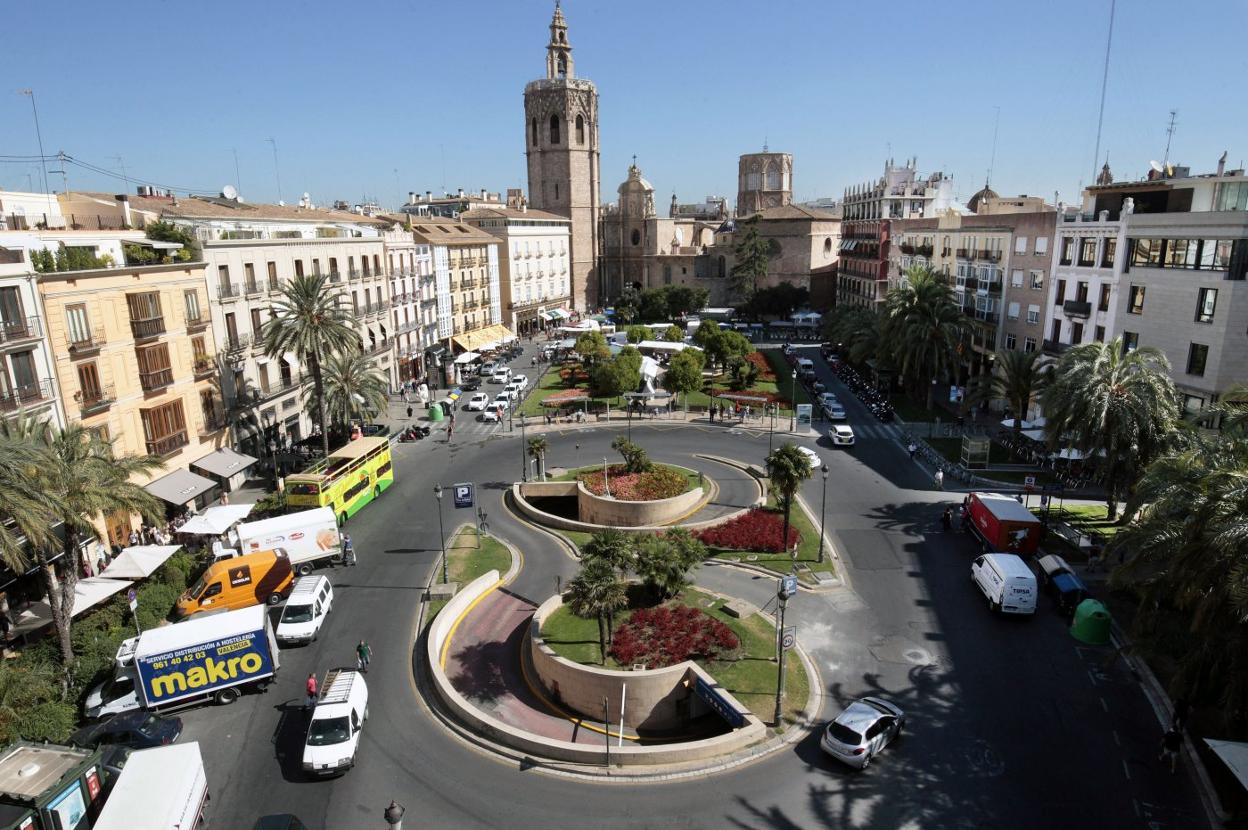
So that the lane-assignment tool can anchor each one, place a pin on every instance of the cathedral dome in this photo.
(980, 197)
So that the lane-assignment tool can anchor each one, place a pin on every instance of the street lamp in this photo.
(823, 511)
(772, 407)
(524, 467)
(793, 403)
(394, 815)
(606, 481)
(437, 491)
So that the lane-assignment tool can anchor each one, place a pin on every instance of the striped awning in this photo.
(474, 341)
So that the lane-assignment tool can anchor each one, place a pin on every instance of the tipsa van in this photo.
(306, 608)
(263, 576)
(334, 732)
(1006, 581)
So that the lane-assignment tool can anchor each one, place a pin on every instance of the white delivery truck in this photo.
(308, 537)
(158, 789)
(212, 657)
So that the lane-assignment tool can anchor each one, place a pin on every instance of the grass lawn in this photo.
(807, 550)
(466, 561)
(751, 678)
(911, 412)
(549, 384)
(1090, 518)
(431, 610)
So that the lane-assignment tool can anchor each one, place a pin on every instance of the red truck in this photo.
(1003, 524)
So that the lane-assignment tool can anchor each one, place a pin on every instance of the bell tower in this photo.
(561, 144)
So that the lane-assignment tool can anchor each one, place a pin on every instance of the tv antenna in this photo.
(1100, 118)
(1169, 136)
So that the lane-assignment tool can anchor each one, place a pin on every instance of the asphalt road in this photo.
(1010, 722)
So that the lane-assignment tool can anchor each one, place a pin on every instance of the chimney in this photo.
(460, 193)
(411, 197)
(123, 202)
(428, 195)
(524, 207)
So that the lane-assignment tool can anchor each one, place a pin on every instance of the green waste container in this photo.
(1092, 623)
(435, 411)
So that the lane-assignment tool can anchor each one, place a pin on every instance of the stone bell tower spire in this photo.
(558, 51)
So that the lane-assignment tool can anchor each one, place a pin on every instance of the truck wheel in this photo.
(377, 491)
(305, 569)
(225, 697)
(274, 599)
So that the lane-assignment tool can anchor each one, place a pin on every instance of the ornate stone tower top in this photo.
(764, 180)
(559, 51)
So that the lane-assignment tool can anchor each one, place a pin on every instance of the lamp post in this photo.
(823, 511)
(793, 403)
(606, 481)
(578, 454)
(772, 431)
(437, 491)
(394, 815)
(524, 466)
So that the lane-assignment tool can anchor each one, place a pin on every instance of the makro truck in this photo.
(307, 537)
(1003, 524)
(205, 658)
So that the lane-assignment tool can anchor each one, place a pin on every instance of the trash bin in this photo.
(1092, 622)
(435, 411)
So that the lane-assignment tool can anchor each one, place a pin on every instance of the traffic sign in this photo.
(788, 637)
(1056, 487)
(464, 495)
(1029, 481)
(788, 585)
(718, 703)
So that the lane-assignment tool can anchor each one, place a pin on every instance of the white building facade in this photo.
(534, 277)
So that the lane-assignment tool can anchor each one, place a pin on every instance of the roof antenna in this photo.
(1169, 136)
(1100, 118)
(992, 162)
(764, 144)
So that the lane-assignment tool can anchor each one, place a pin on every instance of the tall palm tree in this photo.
(81, 480)
(1019, 377)
(1186, 550)
(596, 592)
(537, 449)
(615, 547)
(787, 468)
(24, 505)
(1114, 406)
(1233, 407)
(312, 322)
(355, 389)
(924, 329)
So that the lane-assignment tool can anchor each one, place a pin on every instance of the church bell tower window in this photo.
(580, 130)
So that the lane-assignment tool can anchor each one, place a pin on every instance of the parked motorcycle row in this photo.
(874, 400)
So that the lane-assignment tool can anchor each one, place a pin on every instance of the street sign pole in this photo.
(784, 600)
(133, 599)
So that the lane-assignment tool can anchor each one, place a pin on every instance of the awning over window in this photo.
(180, 487)
(225, 463)
(467, 357)
(475, 341)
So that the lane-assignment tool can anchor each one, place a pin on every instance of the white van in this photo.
(1006, 581)
(334, 731)
(306, 609)
(805, 367)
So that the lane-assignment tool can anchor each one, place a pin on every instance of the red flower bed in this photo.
(760, 529)
(556, 397)
(765, 372)
(658, 483)
(671, 634)
(574, 374)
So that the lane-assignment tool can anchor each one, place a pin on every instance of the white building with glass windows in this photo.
(27, 371)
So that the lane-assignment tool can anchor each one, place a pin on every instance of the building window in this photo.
(1197, 356)
(223, 275)
(533, 131)
(255, 323)
(554, 129)
(1016, 278)
(76, 324)
(580, 130)
(164, 428)
(1076, 332)
(89, 385)
(191, 299)
(1033, 315)
(636, 236)
(1181, 253)
(1081, 292)
(1037, 280)
(1010, 342)
(1042, 244)
(1087, 252)
(1135, 300)
(155, 370)
(1029, 344)
(1020, 244)
(1060, 296)
(1100, 334)
(1206, 301)
(1068, 250)
(299, 267)
(1108, 251)
(200, 351)
(1130, 341)
(1147, 253)
(1012, 311)
(1056, 333)
(1215, 254)
(1103, 305)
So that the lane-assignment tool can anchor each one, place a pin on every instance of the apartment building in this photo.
(1175, 275)
(534, 279)
(866, 226)
(27, 372)
(413, 304)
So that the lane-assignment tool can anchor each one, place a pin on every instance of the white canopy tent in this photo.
(662, 346)
(216, 520)
(139, 561)
(467, 357)
(88, 593)
(1008, 423)
(806, 318)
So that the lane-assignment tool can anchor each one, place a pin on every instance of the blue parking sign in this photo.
(463, 495)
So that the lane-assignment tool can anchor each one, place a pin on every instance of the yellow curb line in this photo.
(450, 635)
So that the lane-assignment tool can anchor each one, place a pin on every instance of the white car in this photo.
(859, 733)
(478, 402)
(501, 375)
(501, 401)
(827, 399)
(835, 412)
(813, 457)
(493, 415)
(488, 369)
(512, 392)
(334, 731)
(521, 380)
(842, 435)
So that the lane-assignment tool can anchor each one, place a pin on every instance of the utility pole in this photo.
(277, 171)
(437, 491)
(524, 458)
(43, 161)
(787, 587)
(1169, 137)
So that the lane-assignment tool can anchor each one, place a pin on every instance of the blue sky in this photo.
(378, 99)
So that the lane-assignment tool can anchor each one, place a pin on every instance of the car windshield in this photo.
(326, 731)
(150, 726)
(297, 614)
(844, 734)
(116, 688)
(197, 589)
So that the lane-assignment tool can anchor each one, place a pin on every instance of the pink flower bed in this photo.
(671, 634)
(760, 529)
(658, 483)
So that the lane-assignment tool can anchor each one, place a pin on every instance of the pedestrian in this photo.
(940, 479)
(450, 427)
(409, 413)
(913, 448)
(1170, 744)
(946, 519)
(363, 654)
(710, 413)
(311, 688)
(1181, 708)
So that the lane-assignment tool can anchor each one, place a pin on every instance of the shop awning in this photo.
(467, 357)
(216, 520)
(180, 487)
(139, 561)
(88, 593)
(474, 341)
(225, 463)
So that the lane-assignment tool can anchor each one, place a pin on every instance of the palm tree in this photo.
(612, 546)
(1233, 407)
(925, 329)
(664, 561)
(355, 389)
(312, 322)
(80, 480)
(23, 503)
(537, 449)
(596, 592)
(1115, 406)
(787, 468)
(1185, 550)
(1019, 377)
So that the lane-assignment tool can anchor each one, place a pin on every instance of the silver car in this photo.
(865, 727)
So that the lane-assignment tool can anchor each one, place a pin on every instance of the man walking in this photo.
(348, 550)
(1170, 745)
(363, 654)
(311, 689)
(912, 449)
(940, 479)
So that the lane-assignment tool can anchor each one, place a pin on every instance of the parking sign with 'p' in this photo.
(463, 495)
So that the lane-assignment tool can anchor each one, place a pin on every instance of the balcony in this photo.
(237, 342)
(155, 381)
(964, 253)
(354, 274)
(89, 343)
(335, 277)
(204, 366)
(256, 287)
(1052, 347)
(151, 327)
(228, 290)
(196, 323)
(95, 400)
(212, 423)
(988, 255)
(21, 396)
(167, 445)
(15, 331)
(1076, 308)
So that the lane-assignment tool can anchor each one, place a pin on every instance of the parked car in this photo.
(137, 730)
(471, 384)
(835, 412)
(862, 730)
(478, 402)
(501, 375)
(488, 369)
(502, 399)
(842, 435)
(813, 457)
